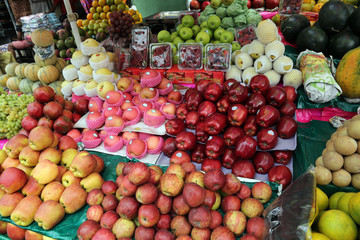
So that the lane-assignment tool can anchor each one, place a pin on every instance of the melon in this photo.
(348, 74)
(37, 84)
(31, 71)
(13, 83)
(3, 80)
(10, 68)
(48, 74)
(60, 64)
(47, 61)
(20, 70)
(42, 37)
(25, 85)
(56, 86)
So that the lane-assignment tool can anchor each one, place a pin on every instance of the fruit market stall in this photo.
(175, 133)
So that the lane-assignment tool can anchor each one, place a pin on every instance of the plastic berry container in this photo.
(140, 35)
(194, 14)
(190, 56)
(138, 56)
(160, 56)
(121, 59)
(245, 35)
(218, 57)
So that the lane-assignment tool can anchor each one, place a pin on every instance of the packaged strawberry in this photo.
(160, 56)
(245, 35)
(218, 57)
(140, 35)
(138, 56)
(190, 56)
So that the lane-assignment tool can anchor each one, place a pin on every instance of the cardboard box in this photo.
(136, 73)
(202, 74)
(178, 76)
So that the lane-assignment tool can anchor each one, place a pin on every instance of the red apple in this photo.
(104, 233)
(222, 233)
(148, 215)
(286, 127)
(87, 229)
(193, 194)
(228, 83)
(182, 110)
(129, 135)
(139, 173)
(169, 108)
(68, 114)
(248, 237)
(69, 105)
(223, 104)
(209, 164)
(180, 226)
(200, 233)
(148, 93)
(188, 167)
(250, 125)
(232, 134)
(267, 116)
(216, 219)
(179, 157)
(260, 84)
(185, 141)
(258, 4)
(74, 133)
(108, 219)
(163, 203)
(262, 192)
(35, 110)
(128, 208)
(228, 159)
(210, 198)
(214, 147)
(244, 193)
(263, 161)
(254, 102)
(164, 234)
(109, 187)
(237, 114)
(215, 123)
(94, 213)
(146, 193)
(267, 138)
(94, 197)
(144, 233)
(127, 188)
(288, 109)
(201, 135)
(164, 221)
(28, 123)
(194, 5)
(175, 96)
(198, 154)
(76, 117)
(244, 168)
(230, 203)
(276, 96)
(136, 147)
(114, 121)
(290, 92)
(126, 105)
(214, 179)
(164, 84)
(238, 93)
(280, 174)
(174, 126)
(232, 184)
(110, 111)
(200, 217)
(245, 148)
(109, 203)
(206, 109)
(169, 146)
(67, 142)
(212, 92)
(192, 118)
(81, 106)
(256, 227)
(282, 157)
(179, 206)
(201, 84)
(46, 122)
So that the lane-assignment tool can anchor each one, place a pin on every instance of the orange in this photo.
(108, 15)
(102, 2)
(106, 8)
(89, 16)
(79, 22)
(92, 10)
(99, 9)
(102, 15)
(95, 4)
(85, 22)
(96, 16)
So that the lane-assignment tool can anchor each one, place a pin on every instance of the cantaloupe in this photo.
(20, 70)
(3, 80)
(48, 74)
(13, 83)
(25, 85)
(60, 64)
(57, 87)
(10, 69)
(42, 37)
(31, 71)
(47, 61)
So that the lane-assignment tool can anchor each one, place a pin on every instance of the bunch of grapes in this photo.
(12, 111)
(121, 24)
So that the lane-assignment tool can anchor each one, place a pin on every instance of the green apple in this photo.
(208, 31)
(178, 40)
(215, 3)
(163, 36)
(196, 29)
(186, 33)
(175, 59)
(178, 28)
(203, 25)
(227, 2)
(216, 42)
(213, 22)
(203, 38)
(218, 33)
(174, 48)
(173, 36)
(188, 21)
(190, 41)
(235, 46)
(226, 37)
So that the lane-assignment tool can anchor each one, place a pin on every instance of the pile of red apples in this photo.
(43, 178)
(236, 127)
(145, 203)
(53, 111)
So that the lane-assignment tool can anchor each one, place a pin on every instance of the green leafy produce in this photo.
(253, 17)
(208, 11)
(236, 8)
(232, 30)
(227, 22)
(240, 20)
(202, 19)
(221, 12)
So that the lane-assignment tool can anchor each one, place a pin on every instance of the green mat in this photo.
(309, 148)
(67, 228)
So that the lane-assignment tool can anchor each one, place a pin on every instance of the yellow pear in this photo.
(52, 191)
(67, 157)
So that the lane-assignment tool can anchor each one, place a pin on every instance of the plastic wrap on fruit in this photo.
(290, 215)
(319, 83)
